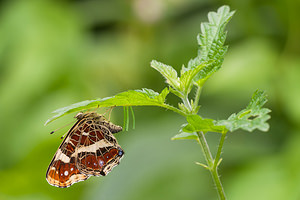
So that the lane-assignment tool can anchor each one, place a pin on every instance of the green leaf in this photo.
(150, 93)
(187, 77)
(185, 135)
(211, 44)
(253, 117)
(72, 108)
(210, 55)
(176, 92)
(162, 96)
(144, 97)
(168, 72)
(197, 123)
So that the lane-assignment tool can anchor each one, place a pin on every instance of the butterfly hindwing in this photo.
(98, 150)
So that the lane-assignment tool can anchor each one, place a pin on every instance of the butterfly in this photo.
(89, 149)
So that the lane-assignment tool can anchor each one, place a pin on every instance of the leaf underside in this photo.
(144, 97)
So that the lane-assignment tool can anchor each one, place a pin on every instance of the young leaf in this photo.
(176, 92)
(187, 78)
(253, 117)
(182, 107)
(211, 44)
(162, 96)
(168, 72)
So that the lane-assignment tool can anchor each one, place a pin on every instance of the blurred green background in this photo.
(55, 53)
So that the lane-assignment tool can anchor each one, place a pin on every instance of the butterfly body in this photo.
(89, 149)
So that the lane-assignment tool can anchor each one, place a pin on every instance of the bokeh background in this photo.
(55, 53)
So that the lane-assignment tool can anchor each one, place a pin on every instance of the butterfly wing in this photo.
(62, 171)
(89, 149)
(98, 151)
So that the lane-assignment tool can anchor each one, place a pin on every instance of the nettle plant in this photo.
(192, 78)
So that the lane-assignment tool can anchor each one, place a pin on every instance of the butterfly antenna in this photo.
(61, 127)
(62, 137)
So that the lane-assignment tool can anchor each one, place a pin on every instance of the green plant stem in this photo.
(211, 163)
(205, 148)
(218, 184)
(133, 118)
(169, 107)
(213, 168)
(218, 155)
(126, 118)
(197, 96)
(187, 103)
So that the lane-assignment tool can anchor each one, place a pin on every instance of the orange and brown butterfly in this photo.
(89, 149)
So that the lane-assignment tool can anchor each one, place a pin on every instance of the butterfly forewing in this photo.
(89, 149)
